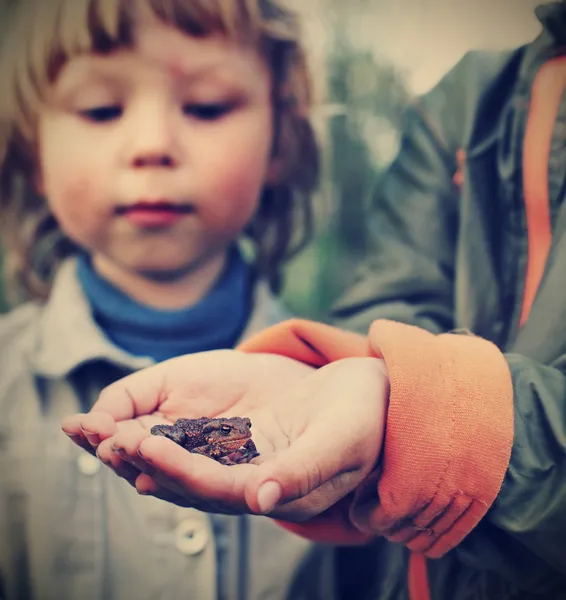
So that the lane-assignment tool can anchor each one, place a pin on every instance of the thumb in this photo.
(317, 468)
(143, 392)
(137, 394)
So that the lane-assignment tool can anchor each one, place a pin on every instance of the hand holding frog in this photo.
(318, 431)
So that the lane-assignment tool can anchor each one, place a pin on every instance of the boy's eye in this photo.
(101, 114)
(206, 112)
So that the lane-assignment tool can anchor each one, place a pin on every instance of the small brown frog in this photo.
(226, 440)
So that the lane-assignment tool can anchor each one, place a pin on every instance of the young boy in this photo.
(441, 454)
(140, 142)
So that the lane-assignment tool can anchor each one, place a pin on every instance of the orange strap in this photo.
(546, 94)
(418, 578)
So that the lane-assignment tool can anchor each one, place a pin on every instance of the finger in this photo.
(97, 427)
(147, 486)
(120, 467)
(127, 441)
(123, 446)
(114, 461)
(127, 472)
(71, 426)
(137, 394)
(105, 453)
(198, 475)
(161, 486)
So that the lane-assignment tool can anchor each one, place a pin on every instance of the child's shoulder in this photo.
(18, 322)
(18, 334)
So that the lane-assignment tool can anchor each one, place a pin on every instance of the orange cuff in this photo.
(448, 437)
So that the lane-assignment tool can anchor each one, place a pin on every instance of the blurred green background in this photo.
(364, 98)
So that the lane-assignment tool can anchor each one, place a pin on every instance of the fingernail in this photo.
(93, 438)
(268, 496)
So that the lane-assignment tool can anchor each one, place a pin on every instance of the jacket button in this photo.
(88, 464)
(191, 537)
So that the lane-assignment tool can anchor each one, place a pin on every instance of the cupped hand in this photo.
(319, 432)
(206, 384)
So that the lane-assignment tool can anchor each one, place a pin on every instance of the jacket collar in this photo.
(521, 66)
(552, 16)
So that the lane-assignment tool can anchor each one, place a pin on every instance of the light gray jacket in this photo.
(70, 529)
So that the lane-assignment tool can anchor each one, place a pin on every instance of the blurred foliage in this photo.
(366, 97)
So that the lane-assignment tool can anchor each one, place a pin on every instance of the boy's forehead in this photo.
(184, 58)
(185, 55)
(189, 57)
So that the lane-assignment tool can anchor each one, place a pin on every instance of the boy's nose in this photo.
(156, 146)
(151, 140)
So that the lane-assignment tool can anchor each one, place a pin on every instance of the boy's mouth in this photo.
(150, 214)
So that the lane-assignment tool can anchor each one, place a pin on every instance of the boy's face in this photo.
(154, 158)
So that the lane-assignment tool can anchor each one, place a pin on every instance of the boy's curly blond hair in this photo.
(44, 34)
